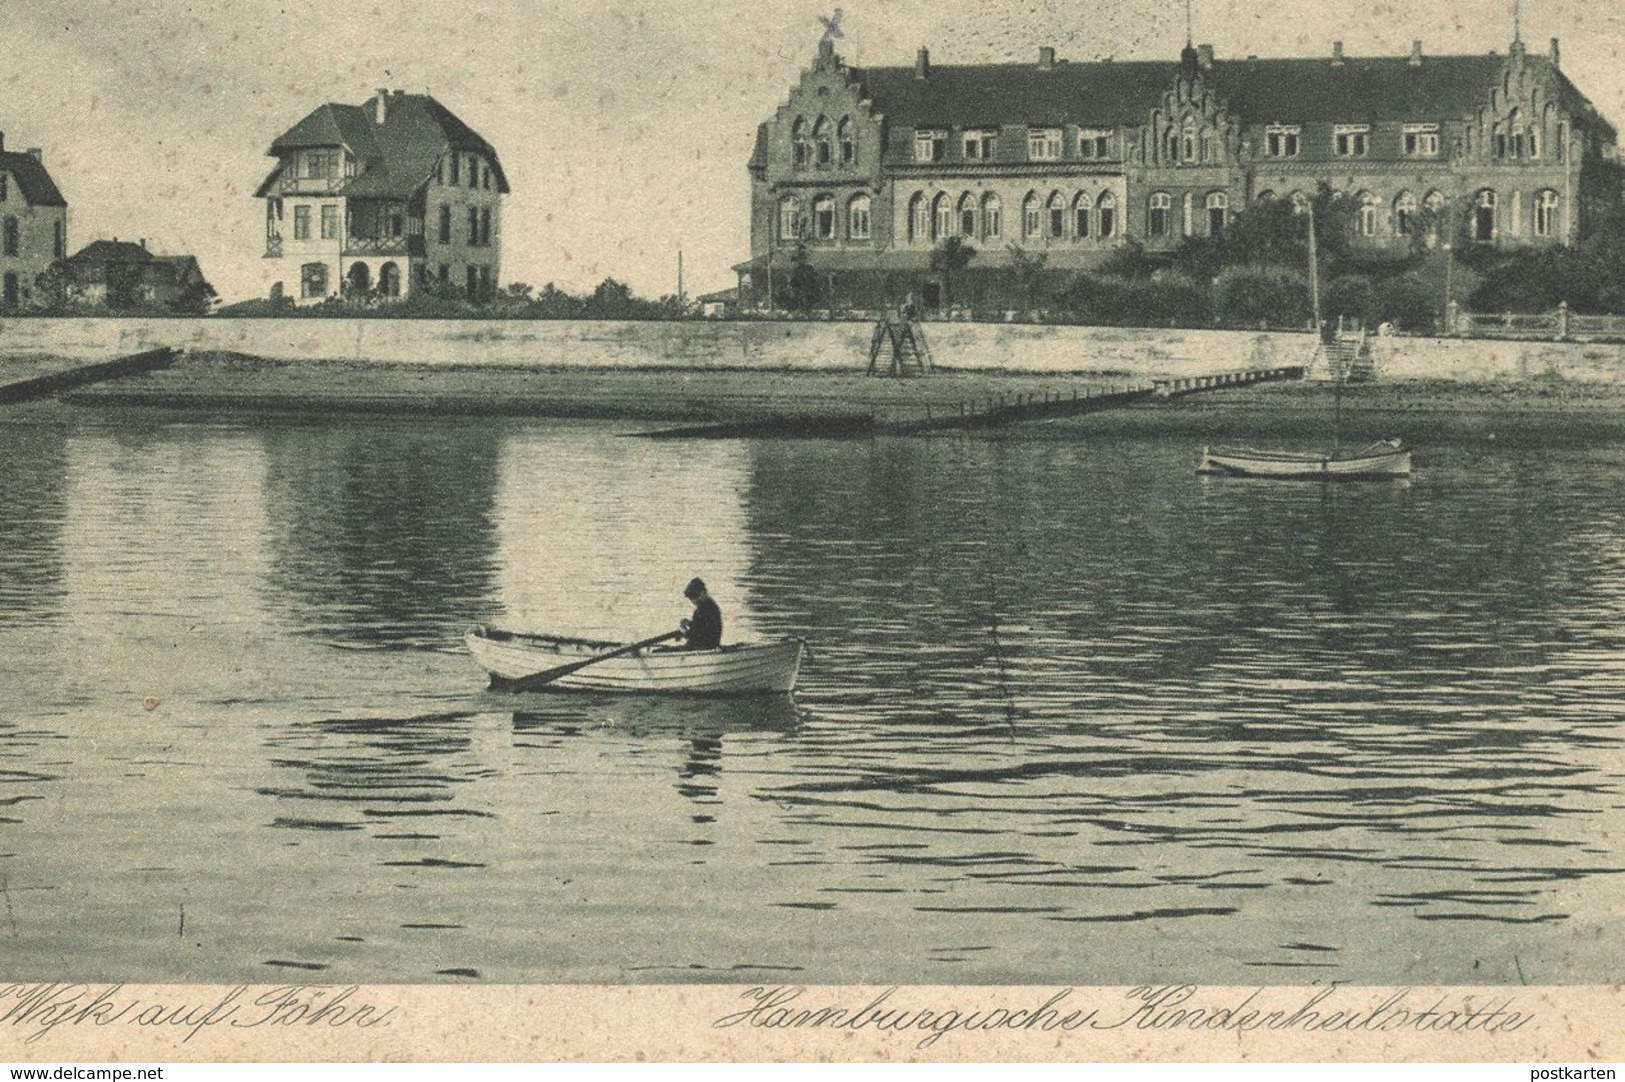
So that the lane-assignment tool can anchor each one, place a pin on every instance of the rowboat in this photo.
(1381, 460)
(764, 668)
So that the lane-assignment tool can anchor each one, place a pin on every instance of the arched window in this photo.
(1032, 213)
(857, 218)
(1515, 130)
(1404, 214)
(1081, 207)
(12, 235)
(1107, 208)
(1210, 146)
(1218, 205)
(1365, 214)
(1171, 146)
(789, 218)
(919, 218)
(848, 140)
(313, 280)
(1157, 223)
(1057, 216)
(1545, 213)
(967, 215)
(823, 218)
(445, 223)
(992, 216)
(1484, 217)
(359, 280)
(1187, 141)
(801, 149)
(942, 216)
(823, 151)
(1264, 196)
(389, 280)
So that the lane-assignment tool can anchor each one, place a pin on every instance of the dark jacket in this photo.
(705, 629)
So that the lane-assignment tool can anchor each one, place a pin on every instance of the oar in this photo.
(547, 676)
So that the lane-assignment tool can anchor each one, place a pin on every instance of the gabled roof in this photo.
(36, 184)
(397, 156)
(112, 251)
(1110, 93)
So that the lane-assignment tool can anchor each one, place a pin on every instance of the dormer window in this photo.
(1421, 140)
(1351, 140)
(980, 144)
(1094, 144)
(929, 145)
(1281, 140)
(1044, 144)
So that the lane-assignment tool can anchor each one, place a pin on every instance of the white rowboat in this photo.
(741, 669)
(1387, 459)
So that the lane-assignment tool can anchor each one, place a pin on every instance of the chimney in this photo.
(1557, 59)
(36, 154)
(143, 243)
(1204, 57)
(400, 93)
(1337, 54)
(1416, 53)
(1046, 58)
(380, 110)
(922, 63)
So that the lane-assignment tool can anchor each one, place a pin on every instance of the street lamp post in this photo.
(1447, 324)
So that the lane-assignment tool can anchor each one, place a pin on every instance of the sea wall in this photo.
(831, 346)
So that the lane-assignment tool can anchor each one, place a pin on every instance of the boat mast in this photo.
(1324, 344)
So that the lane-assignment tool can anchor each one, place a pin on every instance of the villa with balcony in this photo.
(380, 200)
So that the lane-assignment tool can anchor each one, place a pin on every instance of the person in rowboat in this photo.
(704, 630)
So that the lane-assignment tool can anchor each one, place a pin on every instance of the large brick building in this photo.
(33, 224)
(382, 199)
(870, 169)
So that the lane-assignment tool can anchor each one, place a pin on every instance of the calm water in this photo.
(1073, 714)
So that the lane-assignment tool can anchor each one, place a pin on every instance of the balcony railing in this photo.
(383, 246)
(311, 185)
(273, 246)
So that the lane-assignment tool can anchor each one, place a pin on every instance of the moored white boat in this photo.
(1386, 459)
(739, 669)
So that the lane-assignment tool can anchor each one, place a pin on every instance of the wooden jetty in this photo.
(53, 383)
(993, 411)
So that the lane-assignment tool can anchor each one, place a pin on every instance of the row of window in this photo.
(932, 219)
(982, 144)
(479, 226)
(1058, 218)
(815, 145)
(457, 170)
(315, 284)
(11, 238)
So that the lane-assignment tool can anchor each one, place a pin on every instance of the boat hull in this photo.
(743, 669)
(1380, 462)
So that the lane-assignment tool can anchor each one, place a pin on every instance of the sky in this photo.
(624, 126)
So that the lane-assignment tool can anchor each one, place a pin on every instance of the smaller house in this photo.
(723, 304)
(124, 274)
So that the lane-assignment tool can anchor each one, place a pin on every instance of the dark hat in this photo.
(694, 589)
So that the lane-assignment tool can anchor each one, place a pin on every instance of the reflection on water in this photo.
(383, 534)
(1071, 714)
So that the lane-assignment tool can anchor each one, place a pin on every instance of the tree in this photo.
(948, 258)
(1027, 269)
